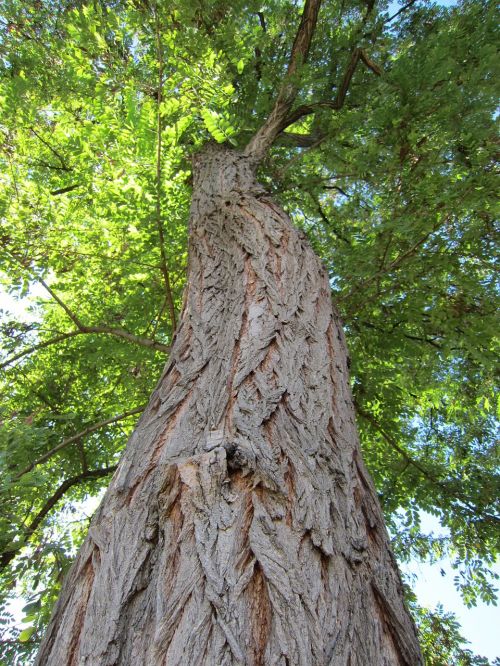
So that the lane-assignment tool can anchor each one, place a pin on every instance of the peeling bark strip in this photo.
(241, 526)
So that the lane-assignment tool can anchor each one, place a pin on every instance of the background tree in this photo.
(389, 171)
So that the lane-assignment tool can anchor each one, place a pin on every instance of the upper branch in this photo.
(265, 136)
(336, 104)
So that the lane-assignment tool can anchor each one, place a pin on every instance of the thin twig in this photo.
(450, 492)
(400, 11)
(55, 152)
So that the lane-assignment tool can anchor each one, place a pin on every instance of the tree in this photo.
(368, 159)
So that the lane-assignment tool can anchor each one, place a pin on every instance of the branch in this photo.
(159, 224)
(297, 140)
(325, 218)
(265, 136)
(64, 190)
(430, 341)
(89, 330)
(338, 102)
(8, 555)
(425, 472)
(63, 488)
(392, 265)
(51, 166)
(400, 11)
(392, 442)
(57, 154)
(42, 345)
(82, 328)
(76, 438)
(66, 309)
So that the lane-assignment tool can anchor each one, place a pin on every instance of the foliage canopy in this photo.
(389, 170)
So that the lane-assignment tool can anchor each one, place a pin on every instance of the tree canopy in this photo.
(387, 163)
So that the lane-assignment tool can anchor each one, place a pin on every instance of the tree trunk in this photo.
(241, 526)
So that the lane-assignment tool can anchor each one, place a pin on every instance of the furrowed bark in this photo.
(241, 526)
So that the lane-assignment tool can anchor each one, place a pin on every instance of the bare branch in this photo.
(265, 136)
(76, 438)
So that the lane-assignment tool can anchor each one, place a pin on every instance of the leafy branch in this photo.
(76, 438)
(7, 556)
(81, 329)
(64, 166)
(445, 487)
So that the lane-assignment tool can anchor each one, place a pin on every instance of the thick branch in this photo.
(265, 136)
(7, 556)
(76, 438)
(338, 102)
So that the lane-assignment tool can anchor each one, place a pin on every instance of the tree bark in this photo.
(241, 526)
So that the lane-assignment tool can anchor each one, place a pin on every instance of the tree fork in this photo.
(241, 526)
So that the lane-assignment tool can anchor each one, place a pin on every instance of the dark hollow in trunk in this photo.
(241, 526)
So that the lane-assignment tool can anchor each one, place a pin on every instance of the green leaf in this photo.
(26, 634)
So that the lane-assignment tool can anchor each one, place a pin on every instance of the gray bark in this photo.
(241, 526)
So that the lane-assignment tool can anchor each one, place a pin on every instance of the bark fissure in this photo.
(241, 526)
